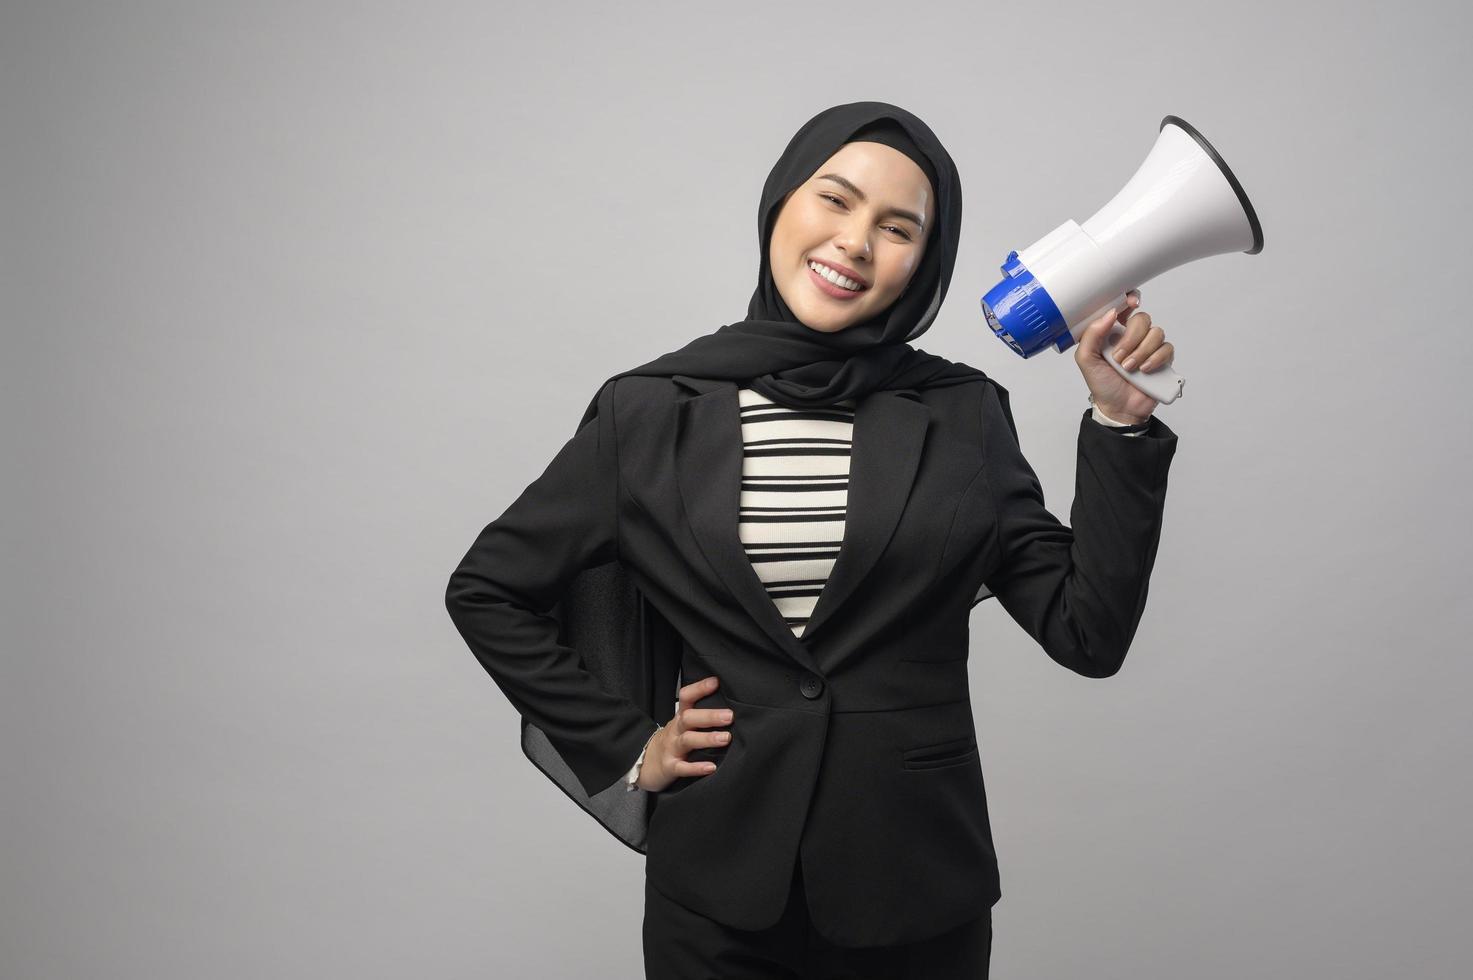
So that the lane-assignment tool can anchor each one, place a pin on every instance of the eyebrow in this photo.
(845, 183)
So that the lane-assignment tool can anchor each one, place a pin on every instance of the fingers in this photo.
(1140, 340)
(1132, 300)
(1151, 353)
(680, 767)
(1136, 329)
(687, 727)
(1159, 359)
(687, 740)
(689, 716)
(1093, 337)
(695, 690)
(697, 739)
(705, 717)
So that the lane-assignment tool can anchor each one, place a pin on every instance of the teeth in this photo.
(833, 276)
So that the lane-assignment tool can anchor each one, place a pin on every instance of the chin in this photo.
(824, 325)
(818, 316)
(835, 328)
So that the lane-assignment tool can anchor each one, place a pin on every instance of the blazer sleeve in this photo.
(514, 573)
(1079, 591)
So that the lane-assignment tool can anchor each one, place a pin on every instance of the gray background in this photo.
(281, 288)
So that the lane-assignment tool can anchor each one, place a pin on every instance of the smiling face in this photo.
(866, 213)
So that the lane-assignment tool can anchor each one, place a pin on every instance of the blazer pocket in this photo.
(939, 655)
(940, 755)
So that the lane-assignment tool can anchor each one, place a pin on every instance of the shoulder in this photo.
(623, 393)
(955, 379)
(635, 409)
(637, 397)
(637, 388)
(998, 427)
(961, 389)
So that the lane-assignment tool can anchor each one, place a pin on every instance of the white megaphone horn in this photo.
(1182, 204)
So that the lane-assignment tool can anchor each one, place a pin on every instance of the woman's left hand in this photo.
(1143, 342)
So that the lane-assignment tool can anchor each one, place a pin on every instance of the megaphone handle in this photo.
(1162, 384)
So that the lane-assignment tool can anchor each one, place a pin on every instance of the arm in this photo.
(631, 778)
(514, 573)
(1078, 591)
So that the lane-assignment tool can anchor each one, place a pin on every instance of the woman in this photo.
(812, 803)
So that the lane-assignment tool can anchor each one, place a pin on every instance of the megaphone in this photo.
(1183, 203)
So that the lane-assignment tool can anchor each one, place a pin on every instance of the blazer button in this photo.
(811, 686)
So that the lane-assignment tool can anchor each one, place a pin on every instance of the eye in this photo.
(898, 230)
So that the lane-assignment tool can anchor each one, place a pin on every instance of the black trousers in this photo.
(680, 944)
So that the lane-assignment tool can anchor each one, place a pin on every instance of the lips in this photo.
(842, 270)
(829, 289)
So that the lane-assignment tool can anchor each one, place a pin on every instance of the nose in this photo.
(853, 240)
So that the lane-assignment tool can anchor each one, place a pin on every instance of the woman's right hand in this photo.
(664, 760)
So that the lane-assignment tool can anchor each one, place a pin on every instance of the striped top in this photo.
(794, 497)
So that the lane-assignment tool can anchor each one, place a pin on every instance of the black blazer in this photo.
(853, 748)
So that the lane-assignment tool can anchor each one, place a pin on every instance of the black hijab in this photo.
(620, 636)
(777, 354)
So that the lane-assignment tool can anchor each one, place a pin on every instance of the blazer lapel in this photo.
(889, 435)
(708, 471)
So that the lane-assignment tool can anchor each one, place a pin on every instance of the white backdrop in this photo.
(279, 282)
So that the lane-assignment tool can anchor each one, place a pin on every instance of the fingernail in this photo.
(723, 736)
(1130, 363)
(726, 716)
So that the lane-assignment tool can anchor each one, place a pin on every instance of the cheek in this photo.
(898, 275)
(788, 241)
